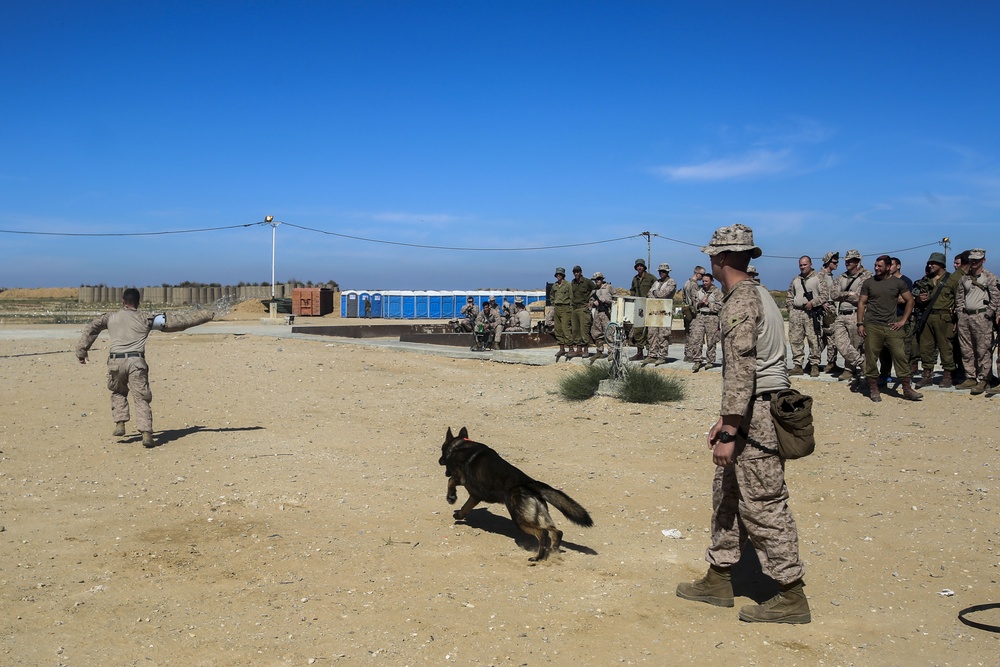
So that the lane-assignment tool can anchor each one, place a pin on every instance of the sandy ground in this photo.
(294, 514)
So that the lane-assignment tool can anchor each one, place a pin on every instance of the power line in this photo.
(162, 233)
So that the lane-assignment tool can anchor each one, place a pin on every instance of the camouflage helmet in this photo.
(733, 238)
(597, 276)
(937, 258)
(853, 254)
(664, 267)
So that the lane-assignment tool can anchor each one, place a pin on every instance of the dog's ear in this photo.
(448, 436)
(464, 433)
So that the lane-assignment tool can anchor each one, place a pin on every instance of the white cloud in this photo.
(754, 164)
(416, 218)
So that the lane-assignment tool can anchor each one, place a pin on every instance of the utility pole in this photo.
(274, 226)
(648, 246)
(946, 243)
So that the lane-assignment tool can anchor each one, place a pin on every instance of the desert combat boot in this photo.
(715, 588)
(147, 440)
(119, 429)
(788, 606)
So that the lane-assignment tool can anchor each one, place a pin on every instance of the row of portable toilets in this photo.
(422, 305)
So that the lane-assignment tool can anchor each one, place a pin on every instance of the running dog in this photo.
(489, 478)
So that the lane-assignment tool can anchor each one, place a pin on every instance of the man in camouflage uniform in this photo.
(846, 289)
(749, 495)
(520, 319)
(827, 278)
(691, 286)
(562, 311)
(705, 326)
(976, 303)
(659, 337)
(604, 295)
(127, 369)
(935, 295)
(641, 282)
(468, 312)
(804, 302)
(582, 288)
(488, 328)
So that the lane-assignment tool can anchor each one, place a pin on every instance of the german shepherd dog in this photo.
(489, 478)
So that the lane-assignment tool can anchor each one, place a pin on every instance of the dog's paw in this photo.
(458, 515)
(451, 498)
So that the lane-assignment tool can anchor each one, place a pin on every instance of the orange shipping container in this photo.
(312, 301)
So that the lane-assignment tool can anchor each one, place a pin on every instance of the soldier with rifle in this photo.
(935, 327)
(976, 302)
(804, 302)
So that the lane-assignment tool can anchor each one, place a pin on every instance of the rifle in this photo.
(815, 313)
(926, 312)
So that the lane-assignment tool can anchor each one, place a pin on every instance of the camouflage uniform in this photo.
(520, 320)
(488, 328)
(602, 300)
(581, 289)
(801, 326)
(750, 498)
(976, 301)
(659, 337)
(826, 281)
(691, 286)
(469, 312)
(846, 289)
(704, 327)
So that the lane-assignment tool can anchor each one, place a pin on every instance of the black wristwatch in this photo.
(725, 437)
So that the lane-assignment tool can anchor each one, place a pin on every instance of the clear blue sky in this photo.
(869, 125)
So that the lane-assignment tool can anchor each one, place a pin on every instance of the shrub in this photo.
(582, 384)
(643, 385)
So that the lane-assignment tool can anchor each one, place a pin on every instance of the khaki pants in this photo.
(130, 375)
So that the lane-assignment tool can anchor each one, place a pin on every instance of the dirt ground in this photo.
(294, 514)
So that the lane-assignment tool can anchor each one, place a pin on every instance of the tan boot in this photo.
(119, 429)
(968, 384)
(814, 371)
(908, 392)
(873, 392)
(925, 379)
(830, 367)
(638, 356)
(979, 388)
(946, 382)
(648, 360)
(796, 370)
(788, 606)
(715, 588)
(848, 374)
(993, 391)
(147, 439)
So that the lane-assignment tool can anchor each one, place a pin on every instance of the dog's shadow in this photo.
(483, 519)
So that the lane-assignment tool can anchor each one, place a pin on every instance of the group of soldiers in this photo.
(493, 319)
(875, 321)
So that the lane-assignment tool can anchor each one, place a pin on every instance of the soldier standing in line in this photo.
(846, 290)
(976, 303)
(936, 330)
(804, 302)
(641, 283)
(705, 327)
(127, 369)
(826, 279)
(749, 494)
(562, 311)
(582, 288)
(601, 301)
(659, 337)
(691, 286)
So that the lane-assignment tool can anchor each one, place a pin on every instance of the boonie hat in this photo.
(853, 254)
(639, 262)
(977, 253)
(518, 300)
(831, 256)
(752, 270)
(664, 267)
(560, 271)
(937, 258)
(597, 276)
(577, 268)
(733, 238)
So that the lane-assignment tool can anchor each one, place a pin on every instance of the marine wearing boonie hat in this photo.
(833, 255)
(664, 267)
(597, 276)
(733, 238)
(977, 253)
(853, 254)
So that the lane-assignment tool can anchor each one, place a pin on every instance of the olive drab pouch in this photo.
(791, 413)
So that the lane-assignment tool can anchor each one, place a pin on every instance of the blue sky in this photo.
(488, 125)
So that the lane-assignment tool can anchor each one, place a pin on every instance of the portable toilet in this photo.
(349, 304)
(376, 304)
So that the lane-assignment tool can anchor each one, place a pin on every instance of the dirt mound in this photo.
(41, 293)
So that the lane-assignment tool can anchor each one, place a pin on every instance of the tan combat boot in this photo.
(873, 392)
(796, 370)
(848, 373)
(814, 371)
(908, 392)
(788, 606)
(979, 388)
(119, 429)
(946, 382)
(830, 367)
(968, 384)
(147, 439)
(715, 588)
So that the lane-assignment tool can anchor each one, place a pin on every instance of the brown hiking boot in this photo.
(796, 370)
(979, 388)
(638, 356)
(908, 392)
(814, 371)
(873, 392)
(715, 588)
(119, 429)
(968, 384)
(946, 382)
(561, 352)
(925, 379)
(147, 439)
(830, 367)
(848, 374)
(993, 391)
(788, 606)
(648, 360)
(597, 355)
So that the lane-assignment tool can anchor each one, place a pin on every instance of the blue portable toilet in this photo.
(349, 304)
(421, 305)
(362, 298)
(434, 305)
(409, 304)
(376, 304)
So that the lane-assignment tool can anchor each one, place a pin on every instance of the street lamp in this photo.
(274, 226)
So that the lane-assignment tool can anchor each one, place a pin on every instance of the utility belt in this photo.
(847, 312)
(941, 310)
(126, 355)
(706, 312)
(976, 312)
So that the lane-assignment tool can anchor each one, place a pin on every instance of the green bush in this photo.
(643, 385)
(582, 384)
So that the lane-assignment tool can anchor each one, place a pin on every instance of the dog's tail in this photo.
(573, 510)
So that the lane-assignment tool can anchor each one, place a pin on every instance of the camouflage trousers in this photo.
(598, 327)
(847, 340)
(975, 338)
(750, 499)
(581, 321)
(562, 318)
(659, 341)
(130, 375)
(704, 331)
(801, 330)
(937, 337)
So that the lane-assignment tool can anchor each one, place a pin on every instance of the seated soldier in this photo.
(468, 313)
(520, 319)
(487, 328)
